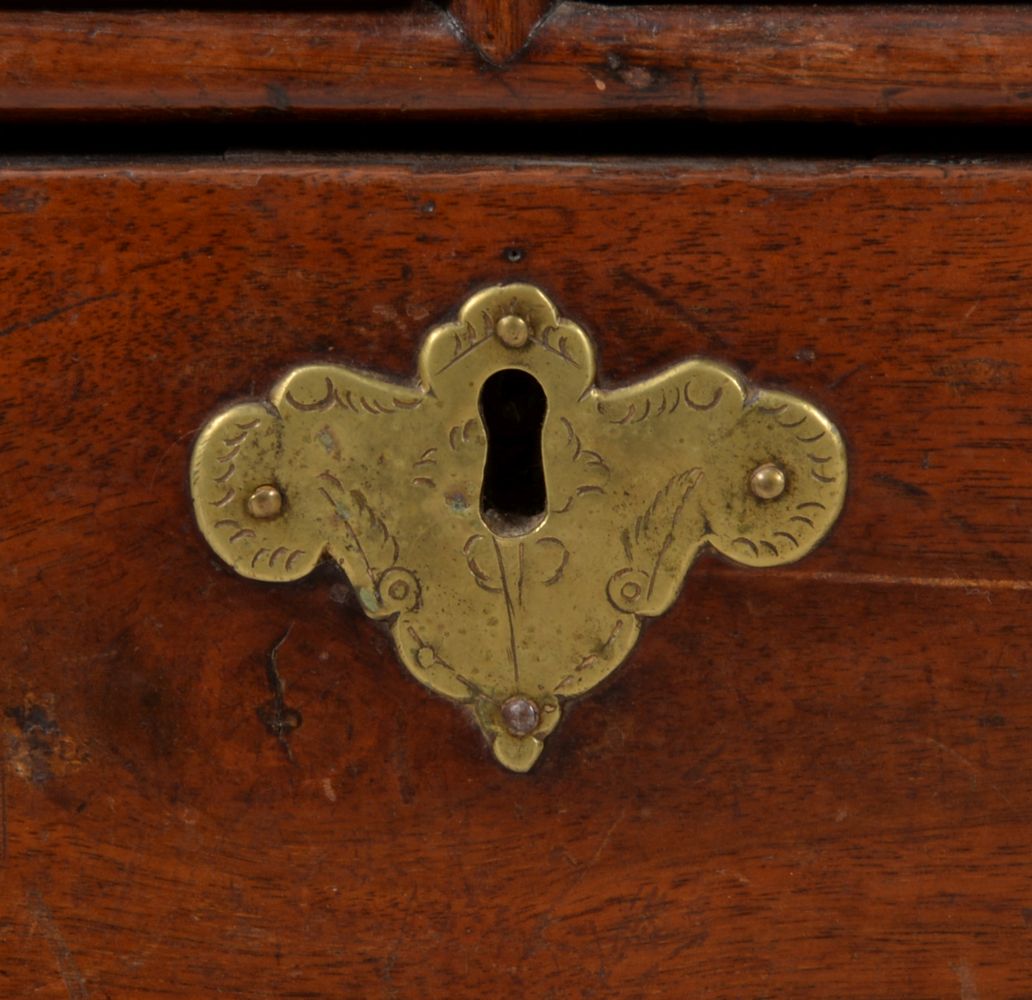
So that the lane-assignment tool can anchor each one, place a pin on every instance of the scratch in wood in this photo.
(546, 919)
(966, 979)
(901, 485)
(278, 717)
(404, 932)
(73, 979)
(736, 875)
(3, 804)
(54, 313)
(179, 258)
(192, 433)
(836, 382)
(607, 836)
(661, 299)
(975, 770)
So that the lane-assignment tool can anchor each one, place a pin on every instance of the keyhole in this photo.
(513, 499)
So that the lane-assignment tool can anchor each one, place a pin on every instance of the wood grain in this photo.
(886, 63)
(808, 782)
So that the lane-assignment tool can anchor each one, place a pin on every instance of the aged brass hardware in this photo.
(512, 584)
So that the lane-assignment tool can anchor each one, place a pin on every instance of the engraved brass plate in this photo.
(512, 615)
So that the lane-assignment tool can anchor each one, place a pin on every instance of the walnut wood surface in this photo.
(733, 61)
(810, 782)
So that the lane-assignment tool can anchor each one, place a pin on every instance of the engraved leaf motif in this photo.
(654, 531)
(378, 545)
(659, 549)
(364, 544)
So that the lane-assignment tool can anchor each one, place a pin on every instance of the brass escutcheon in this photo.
(514, 609)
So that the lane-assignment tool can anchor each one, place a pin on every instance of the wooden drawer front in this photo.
(809, 781)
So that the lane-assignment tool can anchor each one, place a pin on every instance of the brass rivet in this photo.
(512, 331)
(767, 482)
(265, 502)
(520, 715)
(630, 591)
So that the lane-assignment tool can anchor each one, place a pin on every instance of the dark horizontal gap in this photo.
(277, 6)
(284, 6)
(638, 138)
(809, 6)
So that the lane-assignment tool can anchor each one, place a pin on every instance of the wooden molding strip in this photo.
(868, 63)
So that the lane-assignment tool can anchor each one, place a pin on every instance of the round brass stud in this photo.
(630, 591)
(398, 590)
(626, 587)
(265, 502)
(512, 331)
(767, 482)
(520, 715)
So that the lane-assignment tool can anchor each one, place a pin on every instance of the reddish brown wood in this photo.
(499, 28)
(870, 63)
(805, 783)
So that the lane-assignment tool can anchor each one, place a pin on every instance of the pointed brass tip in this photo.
(517, 753)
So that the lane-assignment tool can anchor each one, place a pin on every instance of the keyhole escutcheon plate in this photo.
(513, 601)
